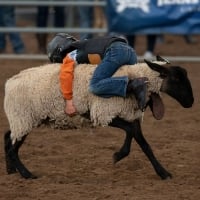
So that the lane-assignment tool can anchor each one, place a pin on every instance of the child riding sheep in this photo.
(109, 53)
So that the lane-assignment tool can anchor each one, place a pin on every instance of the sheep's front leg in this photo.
(125, 149)
(160, 170)
(13, 163)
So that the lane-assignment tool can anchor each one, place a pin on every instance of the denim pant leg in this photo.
(2, 35)
(102, 82)
(9, 21)
(42, 16)
(2, 41)
(86, 16)
(59, 16)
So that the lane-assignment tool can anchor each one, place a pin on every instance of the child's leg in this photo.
(102, 82)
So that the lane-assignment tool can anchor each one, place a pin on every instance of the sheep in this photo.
(33, 97)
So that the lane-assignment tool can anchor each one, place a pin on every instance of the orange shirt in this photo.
(66, 77)
(67, 72)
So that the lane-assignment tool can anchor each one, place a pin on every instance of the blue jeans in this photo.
(102, 82)
(43, 14)
(86, 18)
(7, 19)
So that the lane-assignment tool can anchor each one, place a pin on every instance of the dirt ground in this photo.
(77, 164)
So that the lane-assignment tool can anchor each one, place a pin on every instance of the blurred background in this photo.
(26, 26)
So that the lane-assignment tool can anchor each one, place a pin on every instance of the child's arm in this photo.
(66, 81)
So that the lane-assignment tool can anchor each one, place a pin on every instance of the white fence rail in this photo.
(52, 3)
(45, 58)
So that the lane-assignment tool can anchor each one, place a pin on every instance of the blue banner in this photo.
(153, 16)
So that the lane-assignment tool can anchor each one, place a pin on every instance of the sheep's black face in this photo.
(177, 85)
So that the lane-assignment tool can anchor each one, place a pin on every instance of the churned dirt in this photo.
(77, 164)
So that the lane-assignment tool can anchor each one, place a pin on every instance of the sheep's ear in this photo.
(159, 68)
(159, 58)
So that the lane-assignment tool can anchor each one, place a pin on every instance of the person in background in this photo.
(109, 53)
(42, 21)
(151, 42)
(86, 20)
(7, 19)
(190, 39)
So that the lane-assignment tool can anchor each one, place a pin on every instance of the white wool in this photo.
(34, 95)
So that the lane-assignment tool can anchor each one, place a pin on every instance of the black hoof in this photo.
(33, 177)
(29, 176)
(117, 156)
(11, 171)
(165, 175)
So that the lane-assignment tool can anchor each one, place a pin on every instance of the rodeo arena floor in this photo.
(77, 164)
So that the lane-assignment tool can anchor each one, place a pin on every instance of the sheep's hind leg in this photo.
(10, 167)
(125, 149)
(138, 136)
(13, 163)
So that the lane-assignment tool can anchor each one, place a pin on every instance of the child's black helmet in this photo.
(59, 46)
